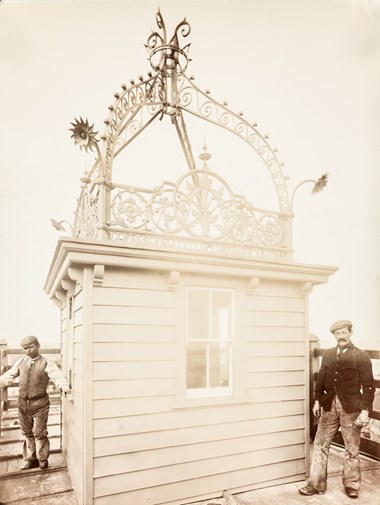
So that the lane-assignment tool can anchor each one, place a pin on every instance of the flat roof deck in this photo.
(287, 494)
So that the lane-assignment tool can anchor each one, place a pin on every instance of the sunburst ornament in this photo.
(84, 135)
(320, 183)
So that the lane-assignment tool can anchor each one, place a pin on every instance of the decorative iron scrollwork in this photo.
(87, 217)
(199, 211)
(204, 204)
(200, 205)
(131, 209)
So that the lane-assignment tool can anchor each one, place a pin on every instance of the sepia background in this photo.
(307, 71)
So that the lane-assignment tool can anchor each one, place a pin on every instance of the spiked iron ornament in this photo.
(58, 225)
(84, 135)
(320, 183)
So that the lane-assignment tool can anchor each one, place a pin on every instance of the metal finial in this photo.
(205, 156)
(164, 53)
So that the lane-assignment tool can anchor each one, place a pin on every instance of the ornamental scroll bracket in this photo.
(98, 275)
(59, 298)
(306, 288)
(253, 284)
(173, 280)
(76, 274)
(69, 286)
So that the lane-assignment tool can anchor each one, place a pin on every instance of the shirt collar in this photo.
(32, 360)
(350, 345)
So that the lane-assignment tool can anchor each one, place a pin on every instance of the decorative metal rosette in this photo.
(204, 204)
(130, 209)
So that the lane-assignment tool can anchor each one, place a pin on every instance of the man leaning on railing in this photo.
(34, 373)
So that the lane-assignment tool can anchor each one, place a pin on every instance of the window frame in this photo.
(208, 392)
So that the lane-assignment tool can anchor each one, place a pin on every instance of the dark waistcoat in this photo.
(33, 380)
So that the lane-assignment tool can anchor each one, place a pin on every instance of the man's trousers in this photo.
(328, 425)
(33, 418)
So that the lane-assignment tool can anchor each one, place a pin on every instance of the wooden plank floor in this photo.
(35, 486)
(53, 487)
(287, 494)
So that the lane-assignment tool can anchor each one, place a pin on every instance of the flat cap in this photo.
(342, 323)
(29, 340)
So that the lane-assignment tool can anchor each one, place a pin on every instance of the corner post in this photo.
(286, 220)
(3, 369)
(104, 195)
(314, 367)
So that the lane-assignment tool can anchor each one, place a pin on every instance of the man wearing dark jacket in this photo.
(344, 394)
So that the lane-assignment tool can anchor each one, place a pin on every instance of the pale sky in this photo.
(307, 71)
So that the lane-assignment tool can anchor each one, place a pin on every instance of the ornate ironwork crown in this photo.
(199, 212)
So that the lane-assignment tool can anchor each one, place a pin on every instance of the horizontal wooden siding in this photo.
(146, 450)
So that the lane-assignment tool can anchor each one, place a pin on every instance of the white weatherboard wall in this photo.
(73, 368)
(149, 444)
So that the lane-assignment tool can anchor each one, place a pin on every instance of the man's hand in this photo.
(363, 419)
(316, 409)
(67, 392)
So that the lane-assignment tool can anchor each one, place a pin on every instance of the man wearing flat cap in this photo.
(344, 394)
(34, 373)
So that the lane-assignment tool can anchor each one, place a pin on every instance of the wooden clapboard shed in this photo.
(184, 318)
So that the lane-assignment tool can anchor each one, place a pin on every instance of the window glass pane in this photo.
(209, 342)
(198, 314)
(196, 365)
(219, 376)
(221, 315)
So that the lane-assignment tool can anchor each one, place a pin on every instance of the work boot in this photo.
(309, 490)
(351, 492)
(32, 463)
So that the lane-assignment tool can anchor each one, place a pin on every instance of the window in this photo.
(209, 342)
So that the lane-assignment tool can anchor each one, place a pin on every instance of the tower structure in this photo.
(184, 317)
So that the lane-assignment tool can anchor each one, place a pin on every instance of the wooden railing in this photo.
(3, 369)
(8, 395)
(368, 446)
